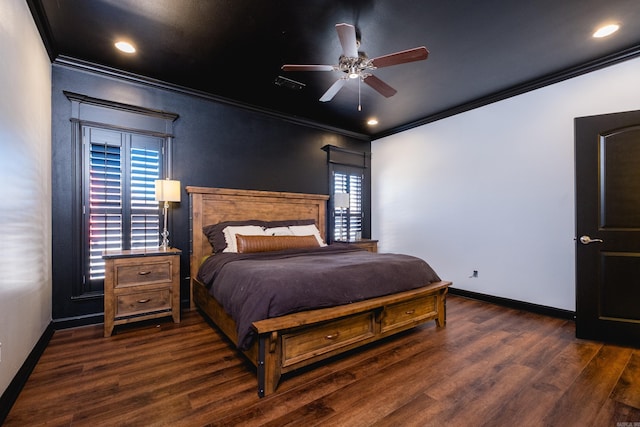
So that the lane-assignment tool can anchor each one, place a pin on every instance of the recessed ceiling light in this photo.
(606, 30)
(125, 47)
(372, 122)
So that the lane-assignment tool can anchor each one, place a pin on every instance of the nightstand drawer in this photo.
(143, 302)
(143, 273)
(367, 244)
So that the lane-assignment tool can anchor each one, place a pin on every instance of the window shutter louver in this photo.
(355, 208)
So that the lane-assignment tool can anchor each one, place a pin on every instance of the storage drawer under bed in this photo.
(307, 343)
(408, 313)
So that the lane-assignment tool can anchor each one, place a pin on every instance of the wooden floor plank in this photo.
(546, 386)
(592, 388)
(627, 389)
(421, 411)
(617, 414)
(490, 365)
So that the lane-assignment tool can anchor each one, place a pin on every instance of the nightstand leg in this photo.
(108, 328)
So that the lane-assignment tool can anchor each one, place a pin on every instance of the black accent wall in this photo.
(216, 144)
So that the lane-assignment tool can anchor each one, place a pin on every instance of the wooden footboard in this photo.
(290, 342)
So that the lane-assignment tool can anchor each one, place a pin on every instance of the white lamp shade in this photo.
(341, 200)
(167, 190)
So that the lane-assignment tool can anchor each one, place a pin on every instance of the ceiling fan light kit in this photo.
(356, 65)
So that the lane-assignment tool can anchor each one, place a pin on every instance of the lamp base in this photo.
(165, 240)
(165, 233)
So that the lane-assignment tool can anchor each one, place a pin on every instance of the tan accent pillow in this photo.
(248, 244)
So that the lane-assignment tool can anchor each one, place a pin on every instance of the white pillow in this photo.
(278, 231)
(247, 230)
(306, 230)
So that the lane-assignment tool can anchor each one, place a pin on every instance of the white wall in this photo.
(25, 190)
(492, 189)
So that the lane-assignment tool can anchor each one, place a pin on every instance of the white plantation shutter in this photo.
(119, 207)
(105, 204)
(355, 206)
(340, 229)
(145, 216)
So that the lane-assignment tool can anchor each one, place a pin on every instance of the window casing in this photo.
(348, 173)
(118, 130)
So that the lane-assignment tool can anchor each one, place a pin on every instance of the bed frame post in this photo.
(196, 237)
(260, 366)
(441, 320)
(268, 366)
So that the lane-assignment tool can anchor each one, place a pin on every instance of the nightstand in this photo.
(139, 285)
(368, 244)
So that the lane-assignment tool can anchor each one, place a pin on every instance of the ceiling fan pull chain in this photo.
(359, 104)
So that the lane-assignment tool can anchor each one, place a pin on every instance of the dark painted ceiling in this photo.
(480, 51)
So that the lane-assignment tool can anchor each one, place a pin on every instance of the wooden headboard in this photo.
(213, 205)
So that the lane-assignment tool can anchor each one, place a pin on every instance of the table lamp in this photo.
(167, 190)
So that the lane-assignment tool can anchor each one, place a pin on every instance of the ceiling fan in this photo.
(356, 64)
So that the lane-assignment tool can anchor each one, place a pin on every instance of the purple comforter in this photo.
(258, 286)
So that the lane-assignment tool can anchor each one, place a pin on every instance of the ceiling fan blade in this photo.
(331, 92)
(294, 67)
(416, 54)
(347, 36)
(383, 88)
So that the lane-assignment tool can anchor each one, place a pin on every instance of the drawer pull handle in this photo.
(409, 312)
(144, 301)
(332, 336)
(144, 273)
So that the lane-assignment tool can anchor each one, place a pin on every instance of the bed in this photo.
(287, 342)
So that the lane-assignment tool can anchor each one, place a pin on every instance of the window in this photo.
(119, 207)
(348, 176)
(348, 220)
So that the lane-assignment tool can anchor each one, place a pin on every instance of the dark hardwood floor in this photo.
(490, 366)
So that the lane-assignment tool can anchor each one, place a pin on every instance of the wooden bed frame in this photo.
(292, 341)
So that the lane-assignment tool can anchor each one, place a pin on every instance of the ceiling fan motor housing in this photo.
(356, 67)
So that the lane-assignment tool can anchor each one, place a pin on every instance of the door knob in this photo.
(585, 240)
